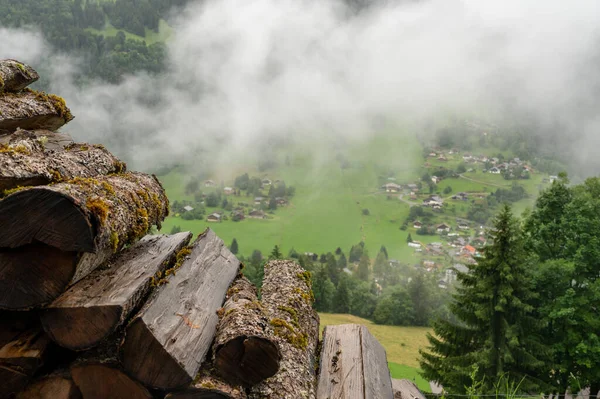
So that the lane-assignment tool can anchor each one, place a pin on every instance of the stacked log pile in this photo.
(91, 306)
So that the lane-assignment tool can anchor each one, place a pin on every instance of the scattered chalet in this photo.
(417, 225)
(391, 187)
(443, 228)
(213, 217)
(209, 183)
(228, 190)
(257, 214)
(188, 208)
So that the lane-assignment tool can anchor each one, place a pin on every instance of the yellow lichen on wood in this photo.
(98, 207)
(286, 331)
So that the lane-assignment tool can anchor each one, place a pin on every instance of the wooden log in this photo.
(406, 389)
(31, 110)
(20, 357)
(288, 298)
(98, 374)
(245, 351)
(26, 163)
(168, 340)
(92, 309)
(51, 140)
(53, 236)
(353, 365)
(207, 385)
(15, 76)
(58, 385)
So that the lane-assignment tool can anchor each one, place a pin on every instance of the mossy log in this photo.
(169, 338)
(31, 110)
(98, 373)
(353, 365)
(245, 349)
(20, 357)
(93, 308)
(53, 236)
(15, 76)
(51, 140)
(207, 385)
(57, 385)
(27, 163)
(287, 297)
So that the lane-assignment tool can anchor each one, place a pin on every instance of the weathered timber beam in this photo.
(287, 297)
(26, 162)
(57, 385)
(353, 365)
(32, 110)
(53, 236)
(94, 307)
(168, 339)
(245, 348)
(15, 76)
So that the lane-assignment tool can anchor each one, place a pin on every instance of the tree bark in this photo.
(168, 340)
(94, 307)
(53, 140)
(208, 385)
(287, 296)
(245, 349)
(15, 76)
(20, 357)
(99, 375)
(353, 365)
(53, 236)
(27, 163)
(31, 110)
(58, 385)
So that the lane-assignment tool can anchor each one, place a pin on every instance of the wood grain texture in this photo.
(287, 297)
(245, 348)
(31, 110)
(57, 385)
(99, 374)
(353, 365)
(80, 223)
(20, 357)
(15, 76)
(168, 340)
(26, 162)
(93, 308)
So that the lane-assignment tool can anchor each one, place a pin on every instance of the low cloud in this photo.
(242, 72)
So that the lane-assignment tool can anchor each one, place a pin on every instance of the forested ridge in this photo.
(64, 24)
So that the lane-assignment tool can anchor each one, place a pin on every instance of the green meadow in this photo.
(327, 209)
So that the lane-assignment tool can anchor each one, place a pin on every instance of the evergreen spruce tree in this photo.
(341, 299)
(498, 333)
(275, 253)
(342, 262)
(362, 271)
(234, 247)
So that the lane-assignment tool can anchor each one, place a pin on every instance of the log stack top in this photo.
(21, 107)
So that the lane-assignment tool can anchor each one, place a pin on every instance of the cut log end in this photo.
(33, 274)
(250, 359)
(145, 358)
(59, 222)
(80, 328)
(98, 381)
(54, 387)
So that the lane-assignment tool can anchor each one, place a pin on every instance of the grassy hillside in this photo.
(402, 344)
(326, 211)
